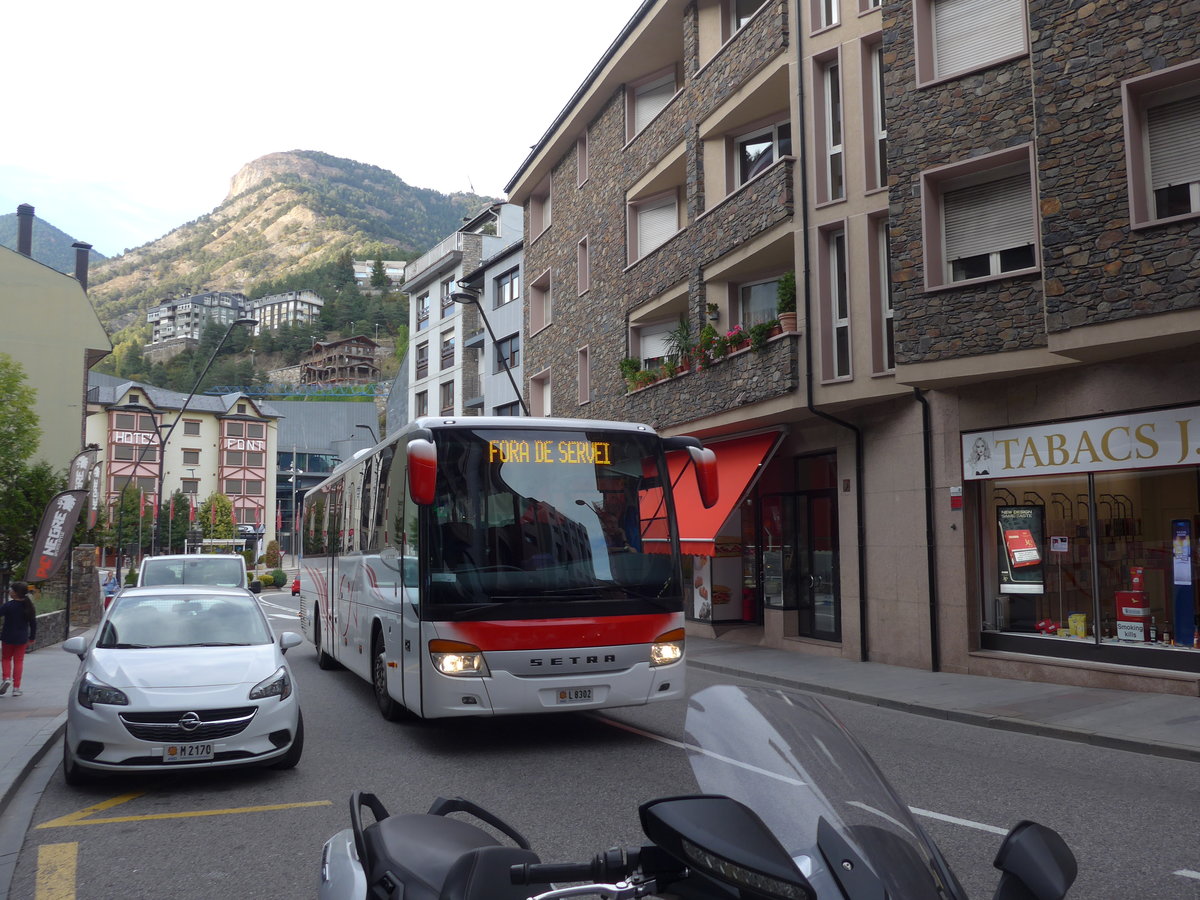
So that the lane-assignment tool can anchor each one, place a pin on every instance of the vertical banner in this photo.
(1020, 535)
(95, 495)
(171, 512)
(278, 517)
(191, 507)
(54, 534)
(81, 467)
(1181, 567)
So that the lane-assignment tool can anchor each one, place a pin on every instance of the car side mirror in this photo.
(1036, 863)
(288, 640)
(76, 645)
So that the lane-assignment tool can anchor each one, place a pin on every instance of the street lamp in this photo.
(466, 295)
(296, 473)
(163, 438)
(374, 437)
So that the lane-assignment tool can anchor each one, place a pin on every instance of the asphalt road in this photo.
(572, 784)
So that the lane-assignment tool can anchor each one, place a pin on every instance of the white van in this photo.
(222, 569)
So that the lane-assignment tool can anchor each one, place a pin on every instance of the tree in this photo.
(22, 508)
(23, 500)
(379, 277)
(217, 524)
(173, 530)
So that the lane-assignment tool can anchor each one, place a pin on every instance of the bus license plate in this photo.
(575, 695)
(187, 752)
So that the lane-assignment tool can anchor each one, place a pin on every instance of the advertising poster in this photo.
(1020, 531)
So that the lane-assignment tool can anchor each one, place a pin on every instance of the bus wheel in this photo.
(324, 660)
(389, 708)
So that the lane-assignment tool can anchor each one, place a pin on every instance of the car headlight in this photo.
(457, 658)
(92, 691)
(278, 685)
(667, 648)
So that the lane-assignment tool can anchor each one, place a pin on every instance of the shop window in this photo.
(1162, 144)
(954, 37)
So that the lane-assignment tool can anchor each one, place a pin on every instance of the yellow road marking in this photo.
(56, 871)
(82, 816)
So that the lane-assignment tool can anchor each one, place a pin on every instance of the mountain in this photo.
(285, 213)
(51, 246)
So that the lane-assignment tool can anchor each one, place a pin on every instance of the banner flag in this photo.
(95, 493)
(278, 518)
(171, 512)
(191, 507)
(142, 510)
(258, 516)
(213, 513)
(81, 467)
(54, 534)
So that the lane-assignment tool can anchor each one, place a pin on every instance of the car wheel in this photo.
(73, 773)
(389, 708)
(289, 759)
(324, 660)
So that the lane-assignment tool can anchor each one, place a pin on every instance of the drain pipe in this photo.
(859, 479)
(935, 650)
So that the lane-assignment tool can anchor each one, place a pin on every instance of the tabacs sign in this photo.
(1147, 440)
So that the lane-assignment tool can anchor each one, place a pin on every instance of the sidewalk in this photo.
(1158, 724)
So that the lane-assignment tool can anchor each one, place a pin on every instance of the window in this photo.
(446, 398)
(422, 404)
(191, 457)
(651, 340)
(881, 294)
(954, 37)
(868, 5)
(876, 129)
(233, 487)
(539, 394)
(742, 11)
(836, 290)
(447, 289)
(654, 221)
(582, 266)
(423, 311)
(508, 351)
(758, 151)
(191, 486)
(141, 452)
(508, 287)
(255, 430)
(835, 178)
(539, 208)
(447, 350)
(254, 460)
(1162, 141)
(241, 408)
(825, 14)
(235, 429)
(234, 458)
(581, 158)
(979, 218)
(585, 376)
(540, 302)
(191, 427)
(422, 370)
(508, 409)
(758, 302)
(647, 99)
(252, 487)
(125, 421)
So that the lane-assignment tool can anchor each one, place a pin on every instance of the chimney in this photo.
(81, 262)
(25, 230)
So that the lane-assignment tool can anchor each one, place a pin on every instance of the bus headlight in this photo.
(667, 648)
(457, 658)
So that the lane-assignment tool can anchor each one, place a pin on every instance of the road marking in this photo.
(941, 817)
(286, 609)
(83, 816)
(56, 871)
(1187, 873)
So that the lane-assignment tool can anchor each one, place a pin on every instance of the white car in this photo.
(181, 677)
(221, 569)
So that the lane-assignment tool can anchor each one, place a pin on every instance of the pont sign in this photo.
(589, 453)
(243, 444)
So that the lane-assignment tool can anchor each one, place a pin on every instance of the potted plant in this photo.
(737, 338)
(679, 341)
(760, 331)
(714, 312)
(785, 297)
(629, 368)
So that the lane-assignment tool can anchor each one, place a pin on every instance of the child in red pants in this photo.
(17, 632)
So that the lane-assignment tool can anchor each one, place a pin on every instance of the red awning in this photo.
(738, 462)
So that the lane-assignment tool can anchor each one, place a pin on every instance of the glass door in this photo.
(800, 561)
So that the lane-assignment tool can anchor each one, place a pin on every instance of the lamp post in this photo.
(374, 437)
(466, 295)
(296, 473)
(163, 438)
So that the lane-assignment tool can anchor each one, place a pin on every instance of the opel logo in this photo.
(189, 721)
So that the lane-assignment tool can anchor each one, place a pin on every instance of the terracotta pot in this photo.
(787, 321)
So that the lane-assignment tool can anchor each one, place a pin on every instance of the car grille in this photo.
(164, 726)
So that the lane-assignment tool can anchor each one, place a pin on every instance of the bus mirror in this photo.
(706, 475)
(422, 470)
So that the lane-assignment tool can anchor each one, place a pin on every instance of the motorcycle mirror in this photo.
(726, 841)
(1036, 862)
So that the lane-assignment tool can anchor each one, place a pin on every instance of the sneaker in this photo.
(17, 692)
(4, 686)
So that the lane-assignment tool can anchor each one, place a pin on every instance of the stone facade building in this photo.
(978, 451)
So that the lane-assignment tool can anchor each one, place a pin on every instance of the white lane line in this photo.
(1187, 873)
(286, 609)
(941, 817)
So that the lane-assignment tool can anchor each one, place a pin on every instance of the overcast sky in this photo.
(123, 121)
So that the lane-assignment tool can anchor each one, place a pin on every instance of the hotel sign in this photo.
(1146, 440)
(134, 437)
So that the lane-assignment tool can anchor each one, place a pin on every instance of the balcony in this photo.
(451, 244)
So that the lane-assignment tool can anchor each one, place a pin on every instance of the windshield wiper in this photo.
(123, 646)
(220, 644)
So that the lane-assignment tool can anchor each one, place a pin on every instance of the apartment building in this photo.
(496, 339)
(993, 244)
(443, 373)
(352, 360)
(289, 308)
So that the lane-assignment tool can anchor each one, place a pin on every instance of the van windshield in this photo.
(220, 571)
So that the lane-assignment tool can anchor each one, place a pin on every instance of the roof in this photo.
(321, 426)
(107, 389)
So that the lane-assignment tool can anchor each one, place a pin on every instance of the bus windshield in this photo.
(534, 518)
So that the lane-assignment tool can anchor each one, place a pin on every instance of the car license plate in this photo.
(187, 752)
(575, 695)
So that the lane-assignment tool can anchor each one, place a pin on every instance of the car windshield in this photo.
(219, 571)
(183, 620)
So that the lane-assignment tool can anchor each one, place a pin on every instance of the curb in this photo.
(1001, 723)
(45, 738)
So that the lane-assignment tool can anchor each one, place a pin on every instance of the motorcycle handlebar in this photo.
(611, 865)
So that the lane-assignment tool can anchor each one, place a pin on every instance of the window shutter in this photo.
(656, 222)
(653, 339)
(1174, 132)
(650, 99)
(969, 32)
(985, 218)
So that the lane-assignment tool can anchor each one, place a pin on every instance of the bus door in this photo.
(410, 642)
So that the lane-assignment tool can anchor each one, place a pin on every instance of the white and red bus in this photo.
(488, 566)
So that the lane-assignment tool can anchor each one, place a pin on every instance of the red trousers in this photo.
(13, 663)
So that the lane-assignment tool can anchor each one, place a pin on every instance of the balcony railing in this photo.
(444, 248)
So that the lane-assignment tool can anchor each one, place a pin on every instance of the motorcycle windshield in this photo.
(783, 755)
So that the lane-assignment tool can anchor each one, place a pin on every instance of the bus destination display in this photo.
(589, 453)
